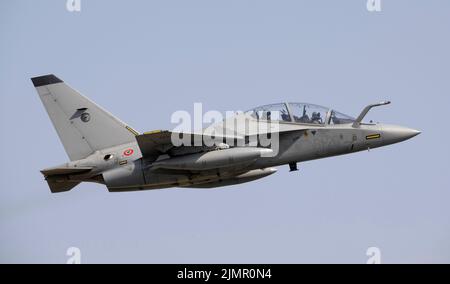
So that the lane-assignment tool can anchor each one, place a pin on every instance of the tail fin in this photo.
(82, 126)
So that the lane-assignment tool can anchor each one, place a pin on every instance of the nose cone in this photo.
(395, 134)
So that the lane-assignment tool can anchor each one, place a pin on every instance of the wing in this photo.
(158, 142)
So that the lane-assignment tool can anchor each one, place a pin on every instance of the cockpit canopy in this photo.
(300, 113)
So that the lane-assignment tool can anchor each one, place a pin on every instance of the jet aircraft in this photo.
(105, 150)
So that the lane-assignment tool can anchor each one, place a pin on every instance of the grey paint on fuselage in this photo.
(89, 135)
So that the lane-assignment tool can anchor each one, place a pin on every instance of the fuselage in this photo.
(134, 172)
(104, 149)
(323, 142)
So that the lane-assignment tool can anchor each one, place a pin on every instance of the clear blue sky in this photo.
(143, 60)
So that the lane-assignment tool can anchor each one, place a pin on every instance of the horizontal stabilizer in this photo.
(57, 186)
(65, 170)
(58, 178)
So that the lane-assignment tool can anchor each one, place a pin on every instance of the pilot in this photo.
(315, 118)
(284, 115)
(305, 117)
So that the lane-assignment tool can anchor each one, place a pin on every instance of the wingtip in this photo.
(45, 80)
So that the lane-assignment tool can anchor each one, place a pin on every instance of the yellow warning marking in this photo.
(124, 162)
(153, 132)
(132, 130)
(373, 136)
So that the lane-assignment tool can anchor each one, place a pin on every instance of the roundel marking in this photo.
(128, 152)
